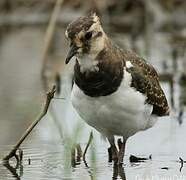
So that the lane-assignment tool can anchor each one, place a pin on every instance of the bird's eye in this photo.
(88, 35)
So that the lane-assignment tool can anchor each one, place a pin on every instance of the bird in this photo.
(115, 91)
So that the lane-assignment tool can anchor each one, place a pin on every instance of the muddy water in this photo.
(47, 149)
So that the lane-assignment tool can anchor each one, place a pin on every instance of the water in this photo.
(49, 157)
(47, 150)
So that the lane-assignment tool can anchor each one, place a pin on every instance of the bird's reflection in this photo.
(118, 171)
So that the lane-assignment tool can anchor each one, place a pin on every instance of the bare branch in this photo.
(182, 163)
(87, 146)
(48, 37)
(12, 153)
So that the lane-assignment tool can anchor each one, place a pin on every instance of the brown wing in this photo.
(145, 80)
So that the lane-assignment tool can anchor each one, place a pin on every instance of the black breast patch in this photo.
(102, 83)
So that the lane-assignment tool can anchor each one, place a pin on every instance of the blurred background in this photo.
(32, 53)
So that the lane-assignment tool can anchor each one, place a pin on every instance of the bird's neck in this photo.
(89, 62)
(105, 76)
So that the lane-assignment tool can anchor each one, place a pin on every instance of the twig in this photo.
(49, 97)
(47, 43)
(76, 154)
(51, 28)
(48, 37)
(182, 162)
(13, 171)
(73, 156)
(79, 152)
(20, 155)
(87, 146)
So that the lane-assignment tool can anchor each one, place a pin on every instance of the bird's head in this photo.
(86, 37)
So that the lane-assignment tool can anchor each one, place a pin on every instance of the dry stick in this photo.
(51, 27)
(79, 152)
(182, 162)
(49, 35)
(49, 97)
(47, 43)
(87, 146)
(13, 171)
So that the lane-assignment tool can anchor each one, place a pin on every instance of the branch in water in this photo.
(12, 153)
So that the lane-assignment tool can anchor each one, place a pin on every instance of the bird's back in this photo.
(146, 80)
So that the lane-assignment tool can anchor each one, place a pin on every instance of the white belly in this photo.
(121, 113)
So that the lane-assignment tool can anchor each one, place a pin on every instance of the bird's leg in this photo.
(113, 152)
(121, 153)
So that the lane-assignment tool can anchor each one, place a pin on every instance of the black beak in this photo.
(71, 53)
